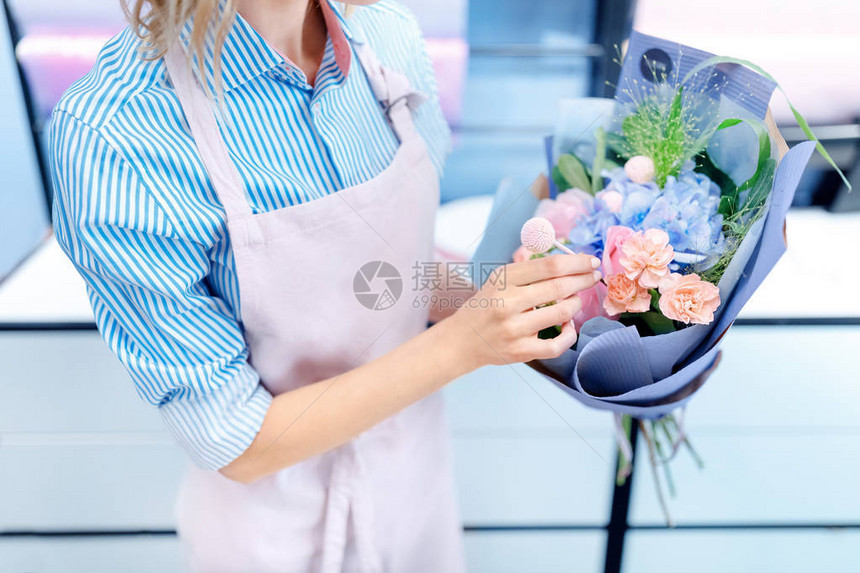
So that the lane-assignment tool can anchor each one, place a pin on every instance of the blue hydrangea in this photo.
(638, 198)
(589, 233)
(686, 208)
(687, 211)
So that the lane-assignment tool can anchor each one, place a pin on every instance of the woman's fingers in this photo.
(533, 321)
(551, 290)
(554, 347)
(510, 328)
(535, 270)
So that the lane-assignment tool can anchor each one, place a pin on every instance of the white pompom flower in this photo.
(640, 169)
(537, 235)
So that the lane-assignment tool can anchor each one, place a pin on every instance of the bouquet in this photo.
(680, 185)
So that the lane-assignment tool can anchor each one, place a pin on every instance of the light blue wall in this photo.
(23, 209)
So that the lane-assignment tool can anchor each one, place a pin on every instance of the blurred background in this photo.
(88, 474)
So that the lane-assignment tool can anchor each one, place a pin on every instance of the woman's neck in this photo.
(295, 28)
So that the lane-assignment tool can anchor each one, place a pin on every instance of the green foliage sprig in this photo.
(665, 126)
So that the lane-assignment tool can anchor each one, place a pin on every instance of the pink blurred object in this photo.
(565, 211)
(450, 57)
(592, 304)
(55, 57)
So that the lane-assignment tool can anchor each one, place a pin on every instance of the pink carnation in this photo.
(646, 257)
(564, 211)
(625, 295)
(688, 299)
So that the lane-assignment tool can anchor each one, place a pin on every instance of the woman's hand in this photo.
(500, 323)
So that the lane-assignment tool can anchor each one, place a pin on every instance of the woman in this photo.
(220, 178)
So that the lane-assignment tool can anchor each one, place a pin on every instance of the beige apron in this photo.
(384, 501)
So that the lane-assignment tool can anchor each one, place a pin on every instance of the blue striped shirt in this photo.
(136, 213)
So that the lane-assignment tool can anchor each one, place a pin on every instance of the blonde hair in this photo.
(159, 23)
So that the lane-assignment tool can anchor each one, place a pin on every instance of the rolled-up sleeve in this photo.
(181, 345)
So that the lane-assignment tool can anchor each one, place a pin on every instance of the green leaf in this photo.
(655, 299)
(728, 123)
(658, 322)
(763, 153)
(728, 204)
(801, 121)
(599, 160)
(759, 186)
(549, 332)
(573, 171)
(561, 183)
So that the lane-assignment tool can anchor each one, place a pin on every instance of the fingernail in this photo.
(595, 262)
(597, 276)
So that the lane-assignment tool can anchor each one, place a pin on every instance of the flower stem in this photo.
(660, 497)
(663, 459)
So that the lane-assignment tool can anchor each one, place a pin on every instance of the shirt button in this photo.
(317, 107)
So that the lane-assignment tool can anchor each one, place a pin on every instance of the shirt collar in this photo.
(246, 54)
(339, 32)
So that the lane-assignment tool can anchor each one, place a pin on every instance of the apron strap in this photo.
(393, 91)
(207, 136)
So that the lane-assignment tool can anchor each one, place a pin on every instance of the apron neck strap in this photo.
(392, 89)
(199, 112)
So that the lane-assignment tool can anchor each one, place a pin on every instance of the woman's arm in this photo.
(498, 325)
(318, 417)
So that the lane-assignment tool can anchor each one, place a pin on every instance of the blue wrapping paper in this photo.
(740, 90)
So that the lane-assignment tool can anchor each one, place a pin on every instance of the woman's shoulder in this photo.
(385, 21)
(387, 9)
(111, 136)
(393, 31)
(119, 74)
